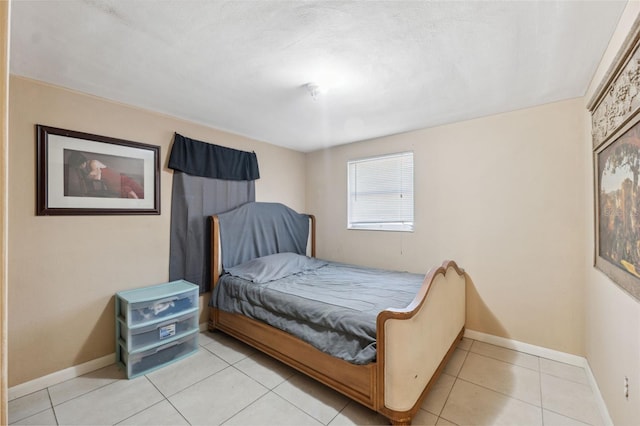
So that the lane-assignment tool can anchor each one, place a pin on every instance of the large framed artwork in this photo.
(615, 123)
(84, 174)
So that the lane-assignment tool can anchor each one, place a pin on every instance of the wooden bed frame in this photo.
(413, 344)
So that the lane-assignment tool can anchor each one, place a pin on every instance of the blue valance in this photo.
(198, 158)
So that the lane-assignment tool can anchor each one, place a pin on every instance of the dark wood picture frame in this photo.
(85, 174)
(615, 119)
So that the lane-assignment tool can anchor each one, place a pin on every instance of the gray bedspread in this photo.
(333, 308)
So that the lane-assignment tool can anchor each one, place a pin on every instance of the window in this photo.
(381, 193)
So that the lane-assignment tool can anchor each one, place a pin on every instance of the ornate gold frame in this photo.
(614, 110)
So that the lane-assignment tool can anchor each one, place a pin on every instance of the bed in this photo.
(385, 350)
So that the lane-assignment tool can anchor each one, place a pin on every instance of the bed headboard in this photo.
(258, 229)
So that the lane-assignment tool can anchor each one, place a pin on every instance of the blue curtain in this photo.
(213, 161)
(207, 180)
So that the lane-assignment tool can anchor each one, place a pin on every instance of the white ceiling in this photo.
(241, 66)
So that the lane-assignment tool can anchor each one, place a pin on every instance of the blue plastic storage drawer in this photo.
(138, 363)
(137, 338)
(156, 303)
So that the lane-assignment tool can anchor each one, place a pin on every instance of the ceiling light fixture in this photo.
(315, 90)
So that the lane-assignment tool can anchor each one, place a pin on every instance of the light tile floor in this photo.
(229, 383)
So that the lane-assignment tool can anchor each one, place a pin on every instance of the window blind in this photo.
(381, 193)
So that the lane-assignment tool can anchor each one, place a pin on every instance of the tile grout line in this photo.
(37, 412)
(249, 404)
(305, 411)
(526, 402)
(508, 362)
(192, 384)
(540, 383)
(295, 405)
(82, 394)
(586, 375)
(178, 411)
(510, 395)
(553, 355)
(55, 417)
(568, 417)
(456, 378)
(229, 365)
(487, 388)
(493, 390)
(542, 408)
(247, 375)
(445, 402)
(502, 394)
(138, 412)
(166, 398)
(338, 413)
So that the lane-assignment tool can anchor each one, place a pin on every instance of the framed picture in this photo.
(84, 174)
(615, 119)
(617, 167)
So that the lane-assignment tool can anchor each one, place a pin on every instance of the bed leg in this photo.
(401, 422)
(211, 326)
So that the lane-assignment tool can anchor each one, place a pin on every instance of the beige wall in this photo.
(64, 271)
(612, 317)
(4, 142)
(501, 195)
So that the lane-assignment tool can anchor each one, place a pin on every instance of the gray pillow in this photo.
(275, 266)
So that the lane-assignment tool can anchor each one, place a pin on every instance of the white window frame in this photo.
(403, 224)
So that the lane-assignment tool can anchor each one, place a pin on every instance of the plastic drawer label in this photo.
(167, 331)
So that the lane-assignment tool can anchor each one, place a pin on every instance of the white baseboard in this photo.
(602, 406)
(66, 374)
(551, 354)
(60, 376)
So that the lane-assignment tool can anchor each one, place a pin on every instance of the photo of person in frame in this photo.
(99, 175)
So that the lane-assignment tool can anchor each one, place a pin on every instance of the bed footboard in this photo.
(414, 343)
